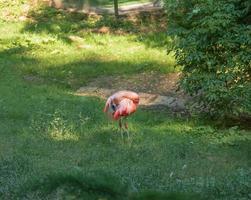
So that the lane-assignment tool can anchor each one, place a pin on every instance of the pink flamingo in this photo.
(122, 104)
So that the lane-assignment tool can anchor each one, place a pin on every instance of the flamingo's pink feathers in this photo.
(125, 101)
(125, 108)
(129, 95)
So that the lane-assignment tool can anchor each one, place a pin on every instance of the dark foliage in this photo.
(212, 42)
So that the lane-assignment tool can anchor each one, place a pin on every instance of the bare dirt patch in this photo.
(162, 84)
(155, 90)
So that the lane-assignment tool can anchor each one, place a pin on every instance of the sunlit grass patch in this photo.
(63, 135)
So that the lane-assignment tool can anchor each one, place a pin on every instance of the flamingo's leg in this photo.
(126, 128)
(120, 127)
(114, 126)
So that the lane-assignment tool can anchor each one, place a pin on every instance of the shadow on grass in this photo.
(78, 73)
(149, 28)
(77, 185)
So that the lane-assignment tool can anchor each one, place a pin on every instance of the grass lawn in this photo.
(55, 145)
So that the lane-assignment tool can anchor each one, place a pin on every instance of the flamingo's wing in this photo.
(125, 108)
(130, 95)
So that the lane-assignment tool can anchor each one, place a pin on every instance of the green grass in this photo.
(45, 131)
(54, 144)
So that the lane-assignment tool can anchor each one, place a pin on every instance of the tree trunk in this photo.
(116, 8)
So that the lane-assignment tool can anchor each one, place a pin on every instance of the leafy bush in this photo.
(212, 42)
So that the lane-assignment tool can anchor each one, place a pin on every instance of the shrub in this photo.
(212, 43)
